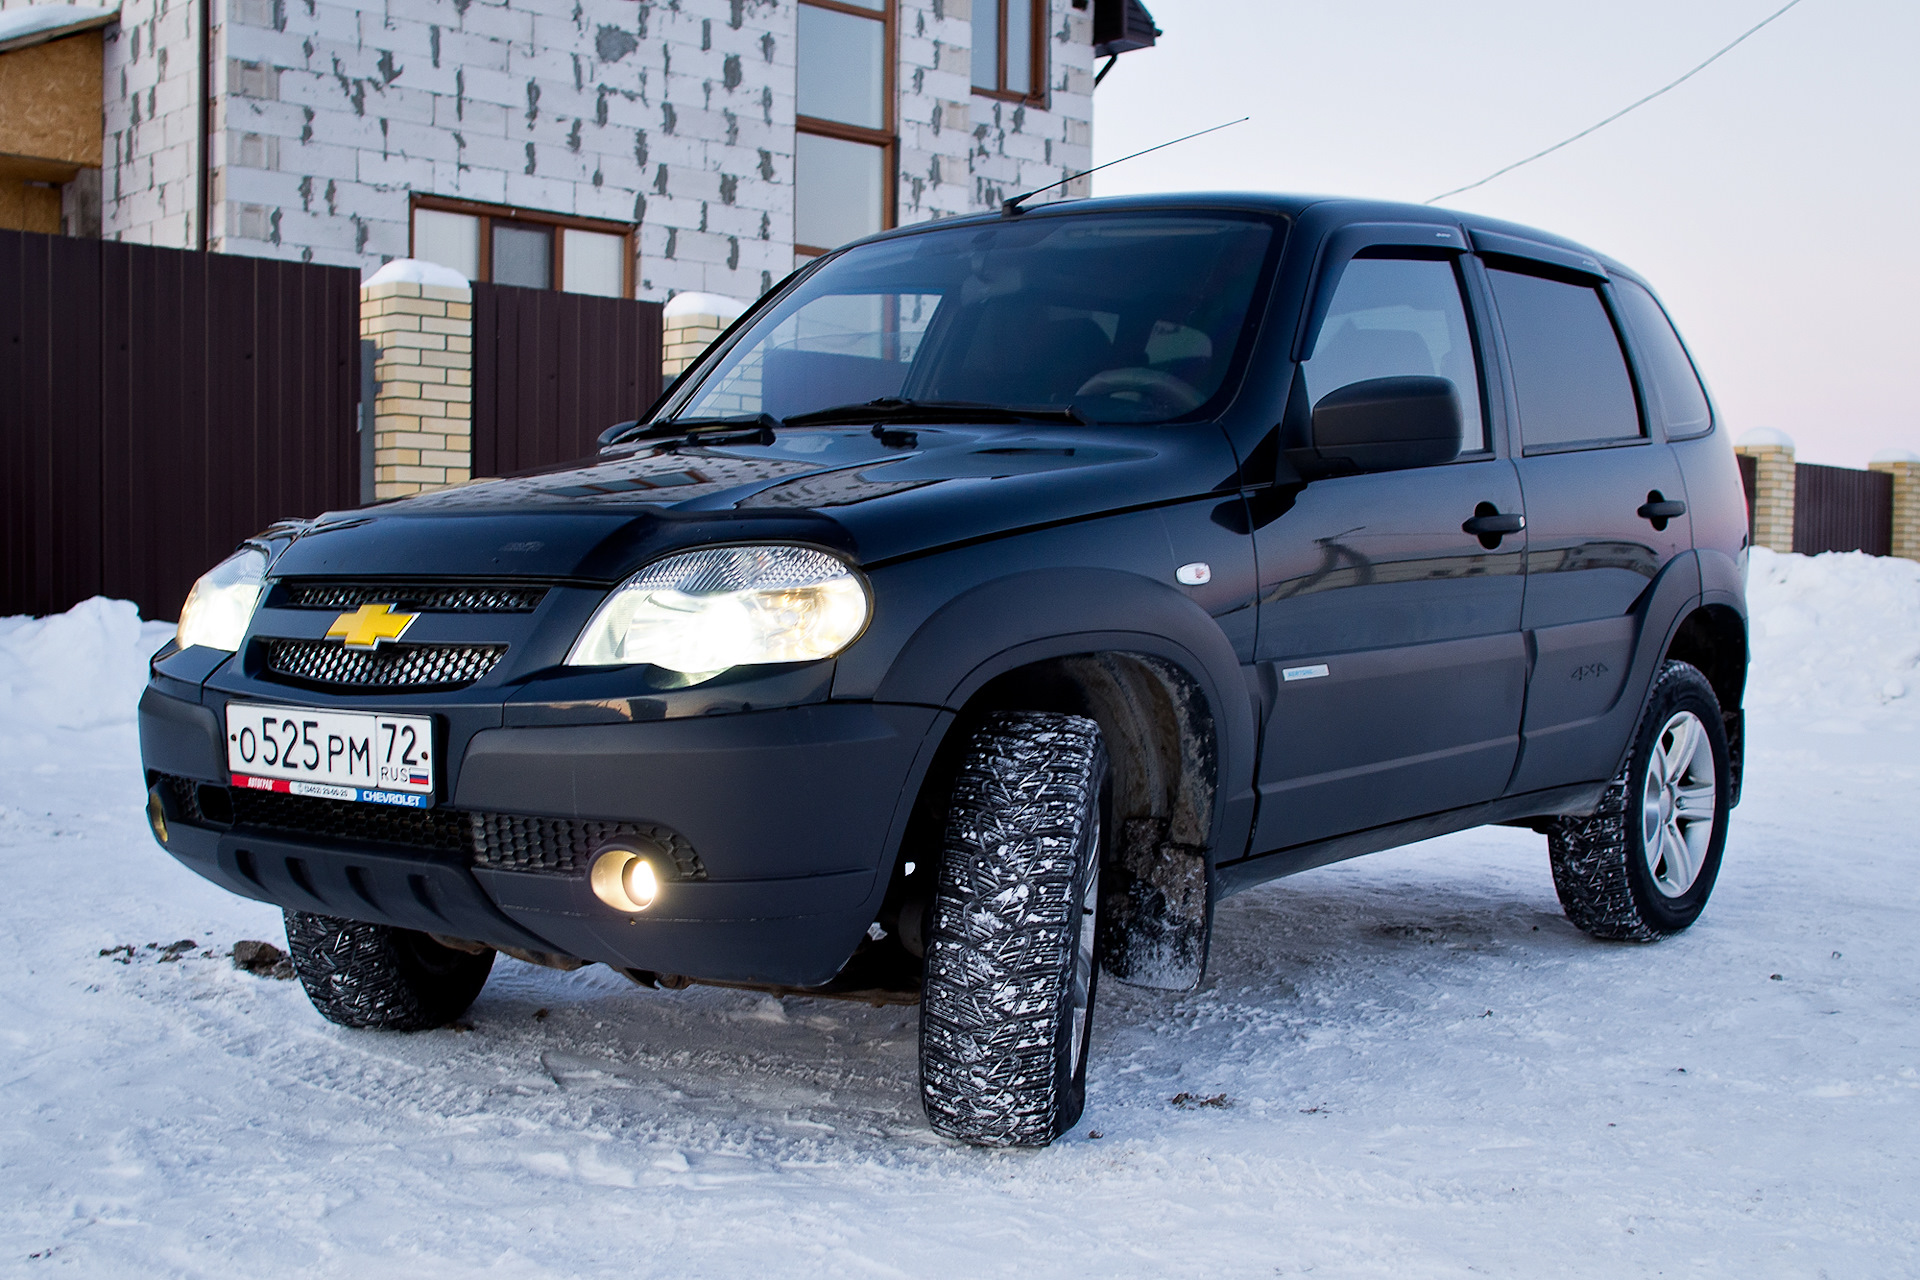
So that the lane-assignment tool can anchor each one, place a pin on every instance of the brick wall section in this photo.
(150, 162)
(675, 116)
(965, 154)
(423, 412)
(1906, 506)
(1773, 495)
(684, 337)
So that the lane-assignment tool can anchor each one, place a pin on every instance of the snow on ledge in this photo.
(1895, 455)
(1762, 437)
(38, 23)
(705, 304)
(416, 271)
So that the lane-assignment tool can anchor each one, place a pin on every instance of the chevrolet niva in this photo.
(985, 606)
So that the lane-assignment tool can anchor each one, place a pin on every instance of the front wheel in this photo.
(1643, 865)
(374, 975)
(1011, 967)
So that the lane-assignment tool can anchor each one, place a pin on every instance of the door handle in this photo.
(1658, 509)
(1490, 524)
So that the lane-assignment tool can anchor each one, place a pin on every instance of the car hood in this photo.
(921, 489)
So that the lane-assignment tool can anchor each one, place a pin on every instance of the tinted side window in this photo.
(1665, 368)
(1397, 318)
(1568, 369)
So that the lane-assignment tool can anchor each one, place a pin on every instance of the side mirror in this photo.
(1386, 424)
(615, 431)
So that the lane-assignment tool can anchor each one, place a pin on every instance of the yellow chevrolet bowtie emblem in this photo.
(368, 625)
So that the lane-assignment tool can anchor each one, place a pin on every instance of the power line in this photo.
(1623, 111)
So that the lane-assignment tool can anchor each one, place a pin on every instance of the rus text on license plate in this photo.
(337, 755)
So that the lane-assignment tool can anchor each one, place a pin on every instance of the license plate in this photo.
(336, 755)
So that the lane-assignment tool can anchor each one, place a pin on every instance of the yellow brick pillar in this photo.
(690, 324)
(421, 317)
(1772, 454)
(1904, 466)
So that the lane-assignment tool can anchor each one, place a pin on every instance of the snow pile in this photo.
(416, 271)
(704, 304)
(1836, 639)
(82, 669)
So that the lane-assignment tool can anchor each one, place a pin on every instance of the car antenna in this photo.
(1011, 208)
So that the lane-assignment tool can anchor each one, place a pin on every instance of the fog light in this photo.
(624, 880)
(157, 815)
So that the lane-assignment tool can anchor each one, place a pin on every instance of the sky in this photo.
(1772, 199)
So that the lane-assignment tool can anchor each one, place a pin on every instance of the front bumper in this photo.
(792, 818)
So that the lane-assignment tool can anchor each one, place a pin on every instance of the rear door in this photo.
(1389, 636)
(1605, 502)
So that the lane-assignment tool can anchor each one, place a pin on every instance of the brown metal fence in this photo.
(1840, 509)
(156, 407)
(551, 371)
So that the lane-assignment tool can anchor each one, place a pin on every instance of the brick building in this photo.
(630, 147)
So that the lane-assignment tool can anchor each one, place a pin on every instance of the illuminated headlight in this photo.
(703, 612)
(221, 604)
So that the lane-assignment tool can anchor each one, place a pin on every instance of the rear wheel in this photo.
(374, 975)
(1643, 865)
(1012, 965)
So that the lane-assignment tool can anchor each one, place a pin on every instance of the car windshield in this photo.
(1109, 318)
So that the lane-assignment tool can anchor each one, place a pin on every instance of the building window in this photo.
(524, 248)
(843, 153)
(1007, 43)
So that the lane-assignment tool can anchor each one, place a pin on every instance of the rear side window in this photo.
(1568, 369)
(1666, 370)
(1397, 318)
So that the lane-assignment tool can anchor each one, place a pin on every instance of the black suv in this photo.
(992, 600)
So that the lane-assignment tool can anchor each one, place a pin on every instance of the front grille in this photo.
(566, 845)
(439, 830)
(324, 664)
(501, 841)
(420, 597)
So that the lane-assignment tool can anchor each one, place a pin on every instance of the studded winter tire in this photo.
(1642, 865)
(1011, 965)
(373, 975)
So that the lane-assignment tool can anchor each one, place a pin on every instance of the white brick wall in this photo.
(964, 154)
(675, 114)
(151, 120)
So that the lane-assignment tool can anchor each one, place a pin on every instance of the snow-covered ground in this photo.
(1426, 1071)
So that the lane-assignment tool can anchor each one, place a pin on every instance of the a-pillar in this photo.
(1772, 454)
(421, 317)
(690, 323)
(1904, 467)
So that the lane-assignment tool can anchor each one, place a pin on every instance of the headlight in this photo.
(220, 605)
(705, 611)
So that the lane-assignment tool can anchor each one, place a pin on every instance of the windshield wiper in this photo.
(763, 424)
(894, 409)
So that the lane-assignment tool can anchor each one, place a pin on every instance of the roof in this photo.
(1346, 209)
(39, 23)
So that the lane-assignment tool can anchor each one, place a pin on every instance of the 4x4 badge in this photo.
(368, 625)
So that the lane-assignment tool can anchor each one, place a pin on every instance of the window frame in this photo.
(1476, 314)
(1037, 72)
(1603, 289)
(489, 213)
(1634, 357)
(885, 139)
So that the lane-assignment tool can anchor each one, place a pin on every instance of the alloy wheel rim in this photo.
(1082, 994)
(1677, 804)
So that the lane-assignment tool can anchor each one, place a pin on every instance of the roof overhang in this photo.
(1121, 26)
(39, 23)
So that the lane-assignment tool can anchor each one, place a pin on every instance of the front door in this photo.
(1389, 636)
